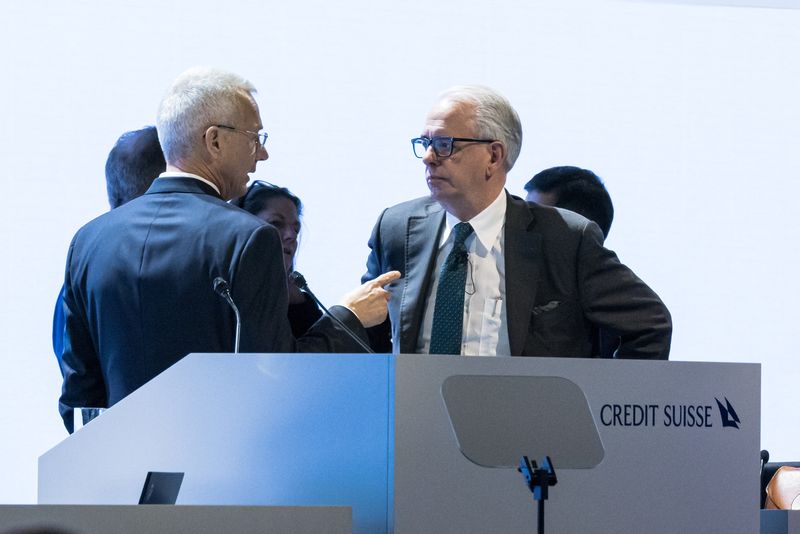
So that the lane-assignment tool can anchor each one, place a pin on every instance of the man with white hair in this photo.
(488, 274)
(139, 292)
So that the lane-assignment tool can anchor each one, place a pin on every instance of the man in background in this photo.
(133, 163)
(140, 290)
(581, 191)
(574, 189)
(488, 274)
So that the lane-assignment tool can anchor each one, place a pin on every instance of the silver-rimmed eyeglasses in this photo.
(260, 137)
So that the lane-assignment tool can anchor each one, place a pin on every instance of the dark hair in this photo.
(578, 190)
(258, 195)
(132, 165)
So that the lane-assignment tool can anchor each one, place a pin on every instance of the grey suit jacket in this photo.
(561, 283)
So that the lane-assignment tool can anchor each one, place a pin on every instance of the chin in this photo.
(437, 193)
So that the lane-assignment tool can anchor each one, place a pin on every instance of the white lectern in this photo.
(679, 443)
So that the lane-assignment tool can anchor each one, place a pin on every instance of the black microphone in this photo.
(222, 289)
(300, 281)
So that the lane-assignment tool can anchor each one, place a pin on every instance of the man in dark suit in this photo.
(536, 280)
(139, 293)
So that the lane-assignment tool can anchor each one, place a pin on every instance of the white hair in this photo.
(494, 116)
(200, 97)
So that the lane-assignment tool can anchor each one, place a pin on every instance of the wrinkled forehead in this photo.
(450, 117)
(247, 110)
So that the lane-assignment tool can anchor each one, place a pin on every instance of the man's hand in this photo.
(368, 302)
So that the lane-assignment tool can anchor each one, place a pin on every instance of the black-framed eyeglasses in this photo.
(254, 186)
(442, 145)
(260, 136)
(258, 188)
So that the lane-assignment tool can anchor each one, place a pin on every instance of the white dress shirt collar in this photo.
(486, 225)
(167, 174)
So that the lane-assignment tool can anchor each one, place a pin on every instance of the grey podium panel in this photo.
(661, 473)
(681, 444)
(156, 519)
(780, 521)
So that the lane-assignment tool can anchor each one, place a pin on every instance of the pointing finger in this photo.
(386, 278)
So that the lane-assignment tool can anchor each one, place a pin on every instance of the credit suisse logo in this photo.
(671, 415)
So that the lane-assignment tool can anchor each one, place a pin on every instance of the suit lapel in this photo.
(522, 252)
(422, 238)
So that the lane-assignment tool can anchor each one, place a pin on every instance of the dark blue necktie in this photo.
(448, 312)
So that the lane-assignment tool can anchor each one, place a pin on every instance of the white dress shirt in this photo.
(485, 327)
(166, 174)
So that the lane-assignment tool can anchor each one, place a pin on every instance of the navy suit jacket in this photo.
(139, 297)
(561, 283)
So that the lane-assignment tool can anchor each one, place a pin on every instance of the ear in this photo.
(497, 161)
(212, 140)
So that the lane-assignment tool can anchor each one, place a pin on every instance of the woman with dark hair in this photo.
(280, 208)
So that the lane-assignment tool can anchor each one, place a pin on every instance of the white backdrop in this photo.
(690, 114)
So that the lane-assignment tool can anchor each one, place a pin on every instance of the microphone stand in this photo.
(238, 321)
(222, 288)
(538, 481)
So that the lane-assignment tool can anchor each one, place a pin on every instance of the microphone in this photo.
(222, 289)
(300, 281)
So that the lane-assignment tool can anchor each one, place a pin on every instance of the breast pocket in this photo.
(490, 325)
(558, 328)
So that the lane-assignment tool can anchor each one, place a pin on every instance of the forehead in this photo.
(280, 205)
(452, 118)
(248, 110)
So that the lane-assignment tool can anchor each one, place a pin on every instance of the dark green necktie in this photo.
(448, 312)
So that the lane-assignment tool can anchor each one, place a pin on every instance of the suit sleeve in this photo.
(303, 315)
(380, 336)
(614, 298)
(83, 384)
(259, 288)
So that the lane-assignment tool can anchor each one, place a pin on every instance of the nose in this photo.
(430, 157)
(261, 153)
(289, 235)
